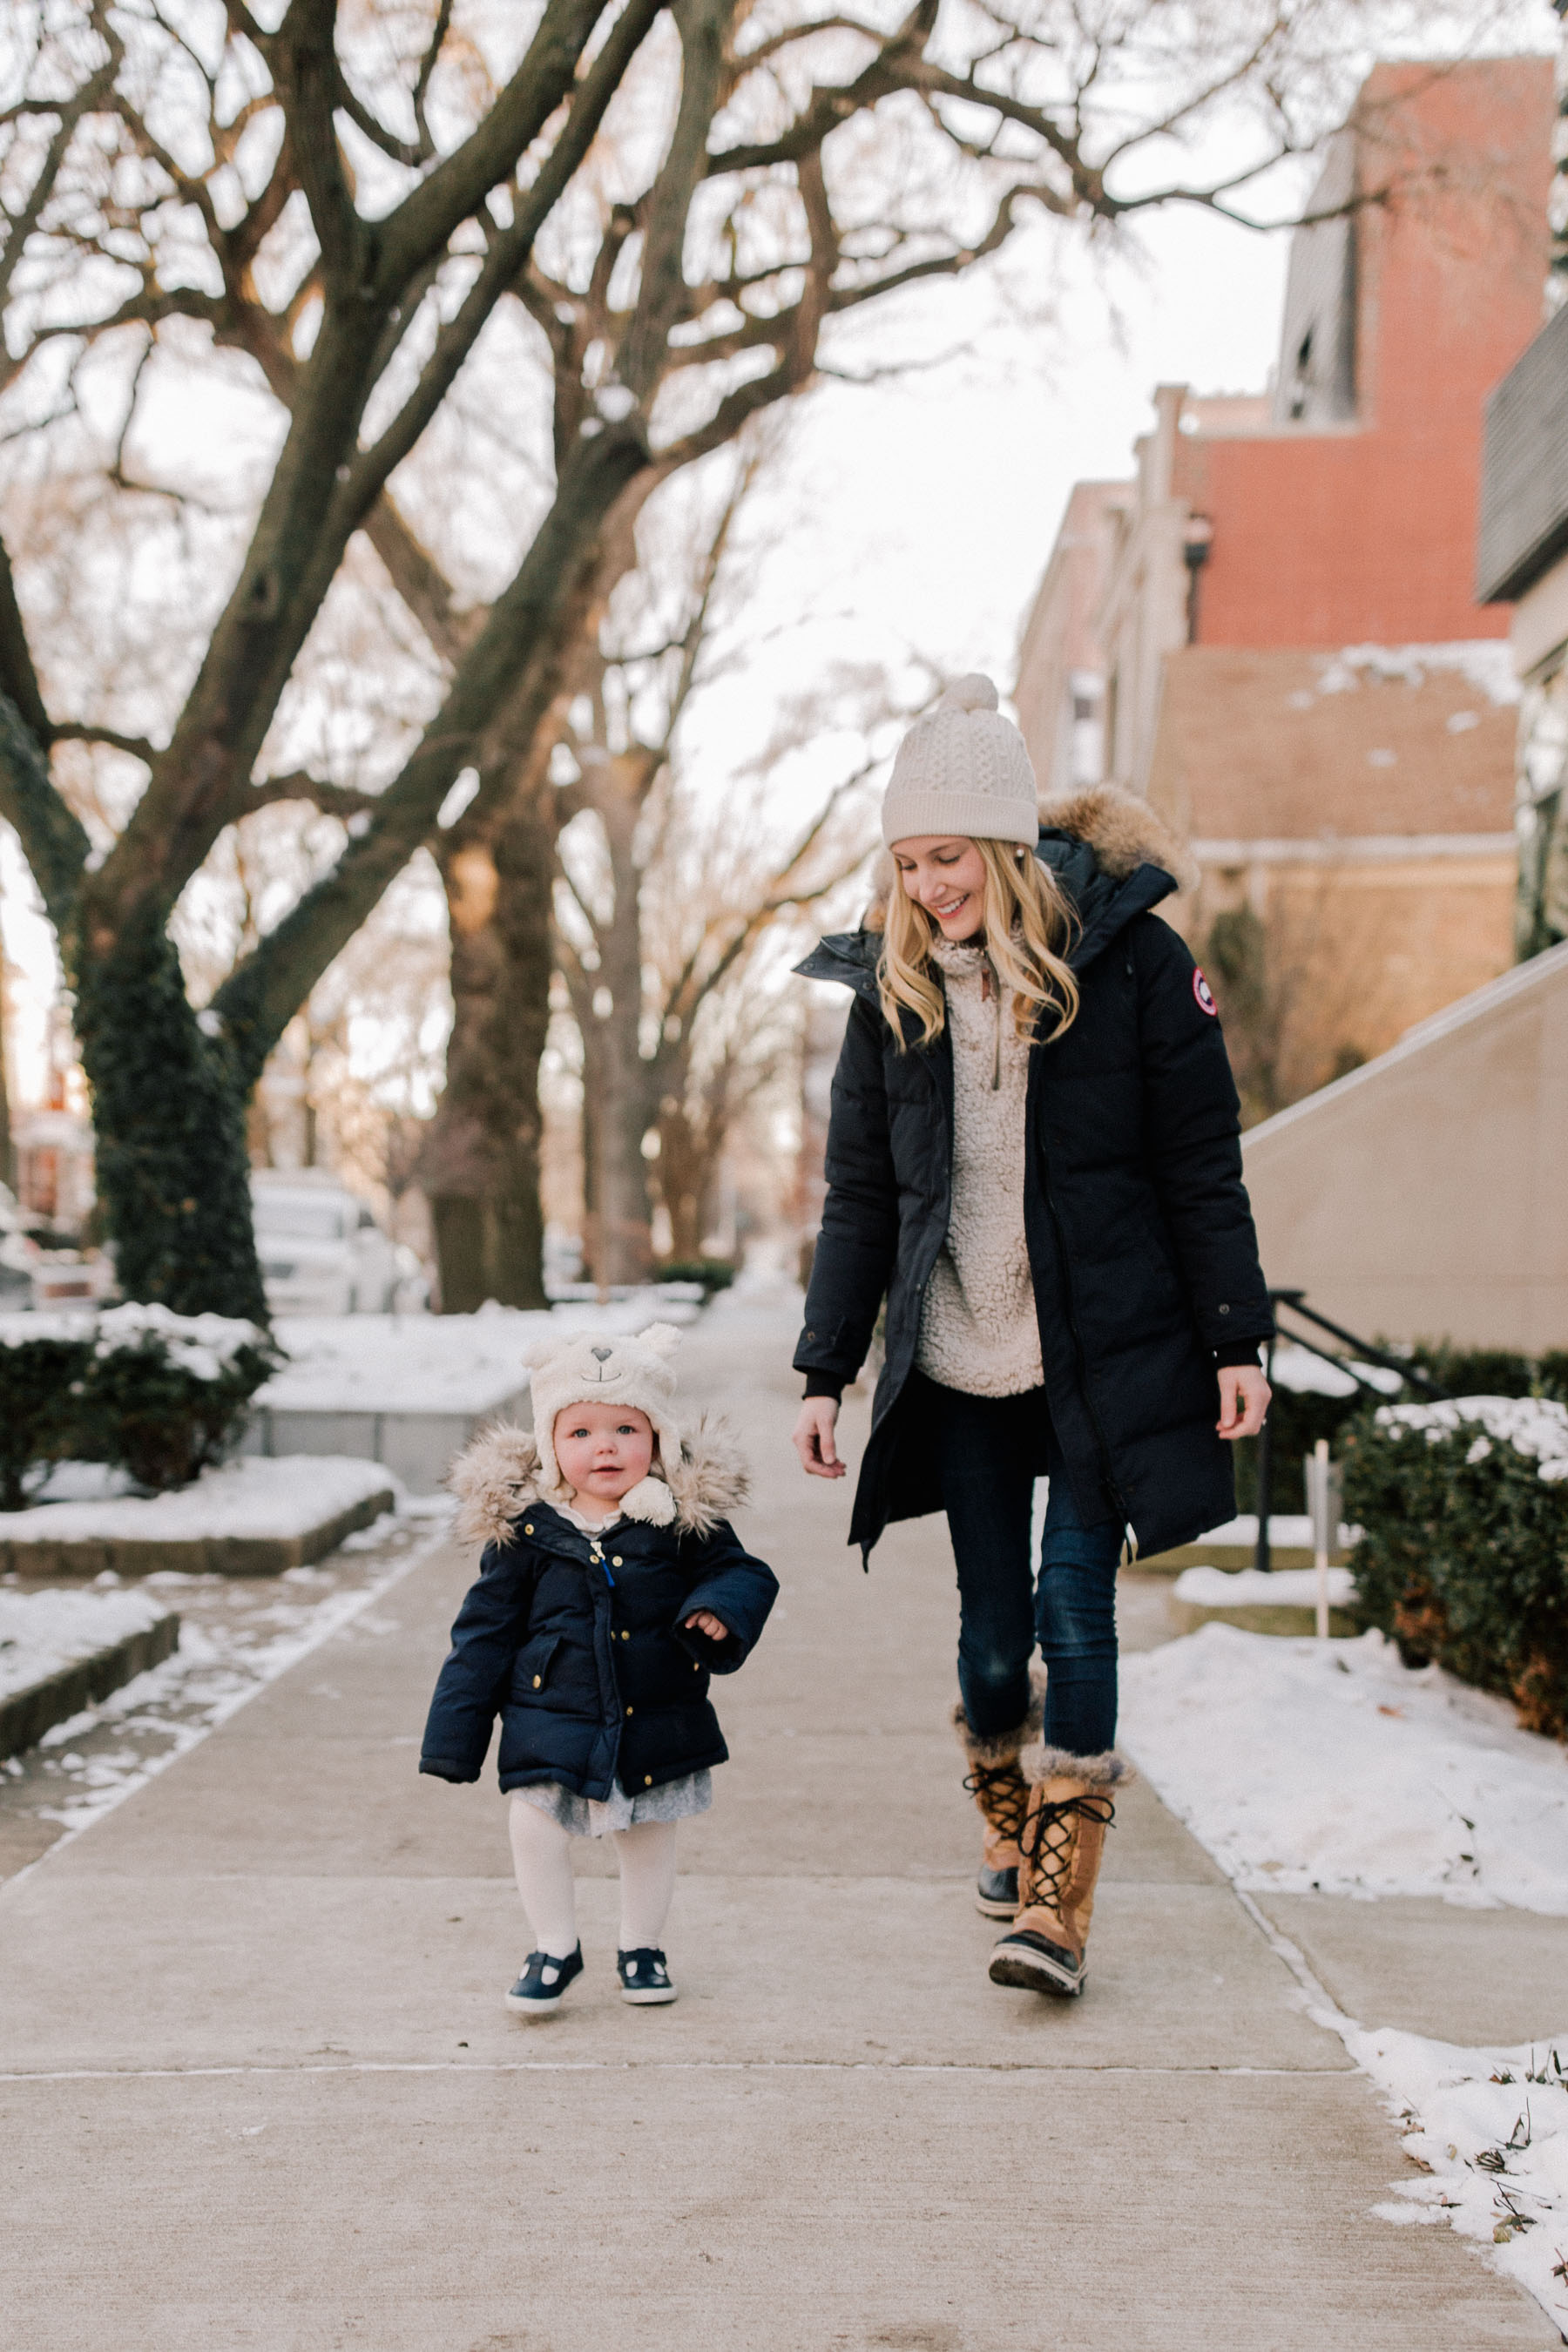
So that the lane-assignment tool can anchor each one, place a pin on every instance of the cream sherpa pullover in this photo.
(979, 1331)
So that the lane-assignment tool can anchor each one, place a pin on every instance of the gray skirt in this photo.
(675, 1801)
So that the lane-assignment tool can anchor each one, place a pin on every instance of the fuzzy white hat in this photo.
(963, 768)
(619, 1370)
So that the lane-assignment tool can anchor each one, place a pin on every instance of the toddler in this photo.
(610, 1588)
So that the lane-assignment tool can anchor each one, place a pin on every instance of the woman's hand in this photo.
(1244, 1396)
(704, 1622)
(812, 1439)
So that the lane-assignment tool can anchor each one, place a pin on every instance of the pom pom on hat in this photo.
(963, 770)
(975, 692)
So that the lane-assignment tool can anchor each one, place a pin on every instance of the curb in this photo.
(200, 1556)
(28, 1714)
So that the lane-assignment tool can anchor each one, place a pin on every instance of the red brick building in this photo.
(1293, 665)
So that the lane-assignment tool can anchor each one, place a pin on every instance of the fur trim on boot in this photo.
(1107, 1770)
(499, 1475)
(1003, 1747)
(1001, 1796)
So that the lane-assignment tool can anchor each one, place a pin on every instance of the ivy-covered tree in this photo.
(635, 225)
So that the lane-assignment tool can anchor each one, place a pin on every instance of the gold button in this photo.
(536, 1682)
(628, 1710)
(615, 1561)
(625, 1637)
(647, 1780)
(696, 1665)
(528, 1526)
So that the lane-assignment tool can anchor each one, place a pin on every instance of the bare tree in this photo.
(352, 210)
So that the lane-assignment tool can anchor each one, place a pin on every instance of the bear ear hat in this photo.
(662, 1338)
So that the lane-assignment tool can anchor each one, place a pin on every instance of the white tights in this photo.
(542, 1853)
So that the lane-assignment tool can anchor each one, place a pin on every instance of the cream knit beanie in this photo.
(619, 1370)
(963, 768)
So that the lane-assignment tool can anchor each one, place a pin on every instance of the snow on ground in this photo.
(42, 1631)
(1307, 1764)
(237, 1635)
(1490, 2129)
(1244, 1588)
(1310, 1373)
(252, 1496)
(442, 1363)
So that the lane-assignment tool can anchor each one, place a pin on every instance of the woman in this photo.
(1033, 1157)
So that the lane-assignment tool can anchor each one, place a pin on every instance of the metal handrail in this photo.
(1293, 1300)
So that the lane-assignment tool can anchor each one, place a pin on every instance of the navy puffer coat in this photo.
(580, 1647)
(1140, 1237)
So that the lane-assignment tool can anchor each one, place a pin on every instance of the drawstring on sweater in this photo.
(990, 989)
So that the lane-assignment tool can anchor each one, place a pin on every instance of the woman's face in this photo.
(947, 874)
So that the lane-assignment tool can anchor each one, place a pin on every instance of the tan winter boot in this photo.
(1070, 1807)
(1000, 1791)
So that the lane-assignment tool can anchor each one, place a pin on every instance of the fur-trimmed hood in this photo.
(1123, 831)
(1096, 842)
(499, 1476)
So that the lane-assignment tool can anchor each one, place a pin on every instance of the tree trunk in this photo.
(617, 1112)
(481, 1166)
(169, 1104)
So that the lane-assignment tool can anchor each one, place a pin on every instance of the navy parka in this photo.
(1139, 1235)
(580, 1647)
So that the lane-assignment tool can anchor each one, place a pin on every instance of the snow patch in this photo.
(1307, 1373)
(1245, 1587)
(438, 1363)
(1307, 1764)
(1536, 1427)
(286, 1497)
(1484, 663)
(40, 1632)
(1490, 2129)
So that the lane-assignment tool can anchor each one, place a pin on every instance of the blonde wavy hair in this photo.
(1028, 926)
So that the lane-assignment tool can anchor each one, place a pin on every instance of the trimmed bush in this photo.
(154, 1393)
(712, 1273)
(1462, 1556)
(1298, 1417)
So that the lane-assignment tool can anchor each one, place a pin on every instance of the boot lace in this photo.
(1047, 1842)
(1004, 1796)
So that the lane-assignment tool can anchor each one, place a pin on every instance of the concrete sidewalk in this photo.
(261, 2091)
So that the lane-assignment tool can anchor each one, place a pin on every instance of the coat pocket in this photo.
(534, 1664)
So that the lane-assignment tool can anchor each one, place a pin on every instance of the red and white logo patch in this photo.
(1204, 995)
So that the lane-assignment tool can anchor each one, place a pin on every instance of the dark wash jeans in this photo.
(987, 1449)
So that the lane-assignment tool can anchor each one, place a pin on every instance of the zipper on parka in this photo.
(1079, 1350)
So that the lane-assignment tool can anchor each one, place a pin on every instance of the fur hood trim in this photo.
(1003, 1747)
(496, 1477)
(1102, 1772)
(1123, 831)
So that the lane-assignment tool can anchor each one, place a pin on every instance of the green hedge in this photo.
(159, 1395)
(1462, 1556)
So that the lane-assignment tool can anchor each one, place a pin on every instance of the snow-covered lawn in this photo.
(1490, 2128)
(439, 1363)
(1307, 1764)
(237, 1635)
(40, 1632)
(1304, 1764)
(251, 1497)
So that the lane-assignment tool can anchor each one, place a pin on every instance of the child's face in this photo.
(603, 1449)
